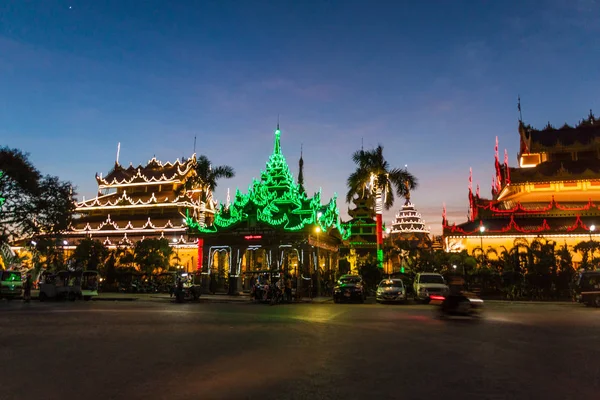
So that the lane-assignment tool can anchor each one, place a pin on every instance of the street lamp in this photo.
(176, 250)
(481, 230)
(592, 229)
(318, 230)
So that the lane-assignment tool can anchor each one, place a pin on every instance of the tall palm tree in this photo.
(205, 181)
(375, 177)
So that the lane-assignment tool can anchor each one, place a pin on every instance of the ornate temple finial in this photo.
(118, 153)
(519, 108)
(506, 157)
(496, 148)
(277, 121)
(301, 171)
(195, 144)
(470, 180)
(477, 191)
(407, 196)
(228, 198)
(277, 147)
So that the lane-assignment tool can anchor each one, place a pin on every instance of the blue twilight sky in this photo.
(433, 81)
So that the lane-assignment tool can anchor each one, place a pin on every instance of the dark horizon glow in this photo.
(434, 82)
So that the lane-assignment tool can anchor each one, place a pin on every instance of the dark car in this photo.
(349, 288)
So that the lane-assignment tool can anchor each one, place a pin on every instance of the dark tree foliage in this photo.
(35, 205)
(54, 206)
(89, 254)
(151, 254)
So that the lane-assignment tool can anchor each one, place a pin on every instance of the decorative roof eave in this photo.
(578, 227)
(148, 225)
(140, 177)
(135, 206)
(182, 200)
(552, 205)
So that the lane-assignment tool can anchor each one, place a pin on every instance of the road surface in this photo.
(160, 350)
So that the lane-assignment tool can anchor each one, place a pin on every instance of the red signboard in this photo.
(252, 237)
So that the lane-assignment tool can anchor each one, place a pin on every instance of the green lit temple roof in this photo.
(275, 200)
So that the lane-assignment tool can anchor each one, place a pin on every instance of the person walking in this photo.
(27, 289)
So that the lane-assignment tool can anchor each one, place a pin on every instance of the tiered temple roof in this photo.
(362, 225)
(556, 190)
(275, 201)
(409, 225)
(141, 202)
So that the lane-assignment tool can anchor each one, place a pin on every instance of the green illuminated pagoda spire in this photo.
(275, 200)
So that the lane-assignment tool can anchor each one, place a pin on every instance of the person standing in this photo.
(27, 289)
(288, 288)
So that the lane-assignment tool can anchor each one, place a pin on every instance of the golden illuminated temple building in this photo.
(553, 195)
(137, 203)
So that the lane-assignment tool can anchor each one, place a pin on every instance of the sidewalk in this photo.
(205, 298)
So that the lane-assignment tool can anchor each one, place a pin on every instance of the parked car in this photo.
(349, 288)
(391, 291)
(11, 285)
(427, 284)
(588, 288)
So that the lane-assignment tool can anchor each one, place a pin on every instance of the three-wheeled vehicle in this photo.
(70, 285)
(11, 285)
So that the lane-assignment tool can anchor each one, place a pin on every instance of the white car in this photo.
(427, 284)
(391, 291)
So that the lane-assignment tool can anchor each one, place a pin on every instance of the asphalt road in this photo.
(159, 350)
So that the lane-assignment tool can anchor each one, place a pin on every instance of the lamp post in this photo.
(481, 230)
(318, 230)
(592, 229)
(176, 251)
(64, 244)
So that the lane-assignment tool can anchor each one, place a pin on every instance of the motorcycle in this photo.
(458, 305)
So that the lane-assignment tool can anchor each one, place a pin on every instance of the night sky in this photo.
(433, 81)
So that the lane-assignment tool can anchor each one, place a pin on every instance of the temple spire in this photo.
(301, 171)
(277, 147)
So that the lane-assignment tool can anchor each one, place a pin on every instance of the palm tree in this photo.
(205, 181)
(375, 177)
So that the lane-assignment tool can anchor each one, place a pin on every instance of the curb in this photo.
(536, 303)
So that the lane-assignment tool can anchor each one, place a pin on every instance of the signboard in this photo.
(321, 244)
